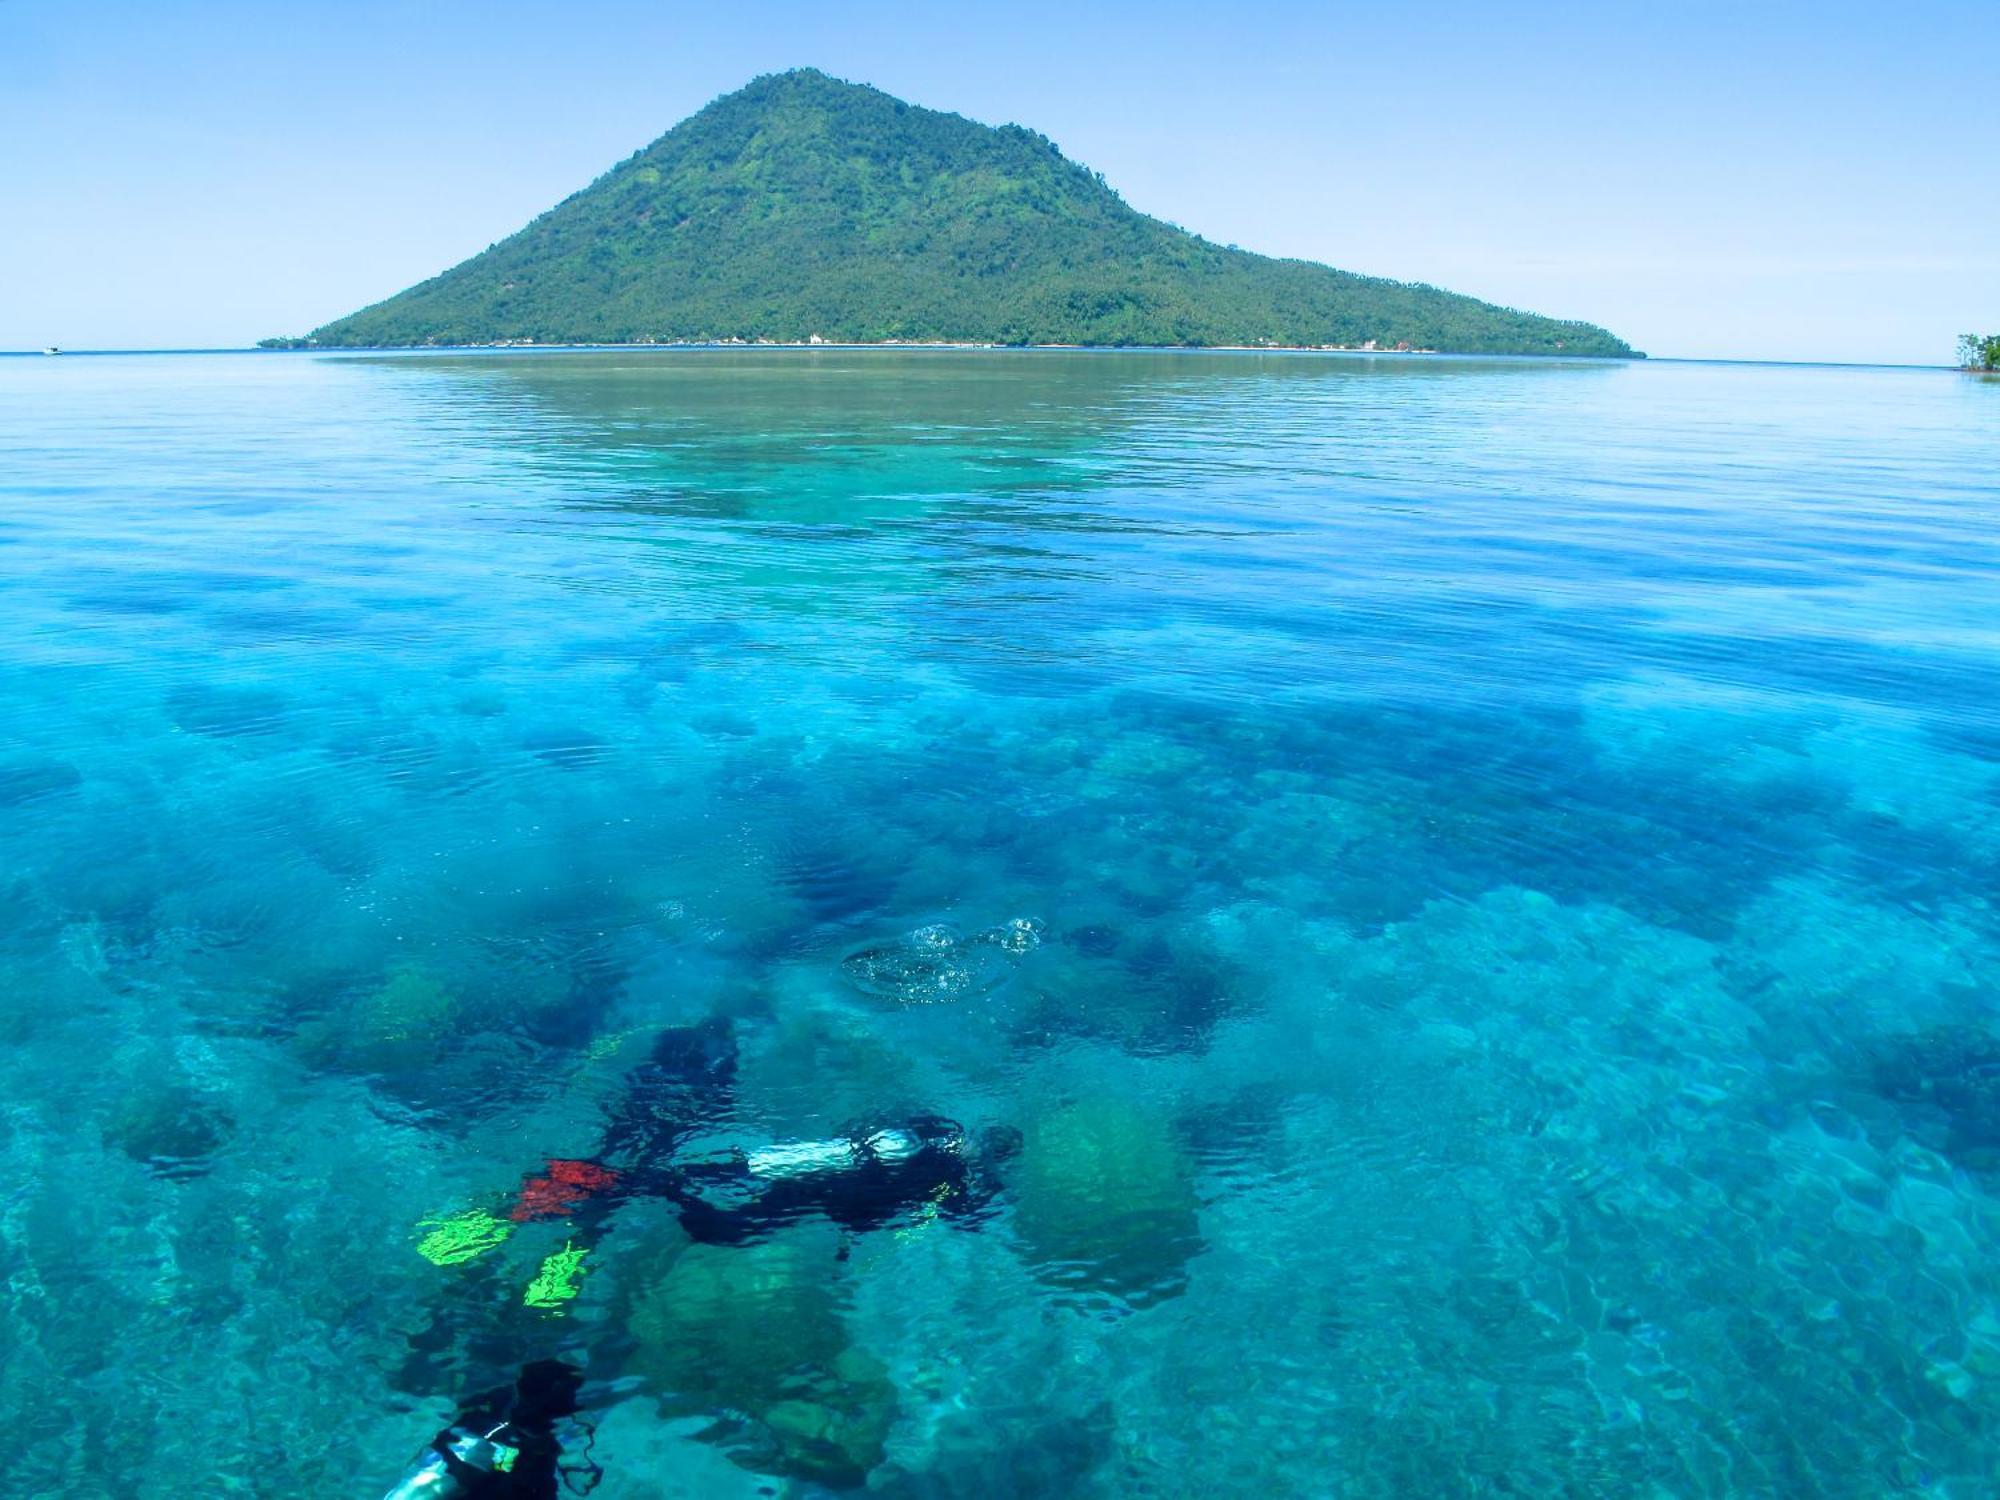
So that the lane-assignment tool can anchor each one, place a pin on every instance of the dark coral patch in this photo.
(1952, 1075)
(175, 1132)
(23, 781)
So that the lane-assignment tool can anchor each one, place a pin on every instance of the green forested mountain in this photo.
(802, 206)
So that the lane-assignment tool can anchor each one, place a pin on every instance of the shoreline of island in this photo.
(829, 346)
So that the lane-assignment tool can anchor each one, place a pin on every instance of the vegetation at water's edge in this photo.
(1979, 351)
(803, 208)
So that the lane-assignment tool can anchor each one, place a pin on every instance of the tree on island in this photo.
(1979, 351)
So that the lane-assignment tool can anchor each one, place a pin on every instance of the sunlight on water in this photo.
(1453, 901)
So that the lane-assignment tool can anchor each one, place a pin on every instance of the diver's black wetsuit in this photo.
(688, 1083)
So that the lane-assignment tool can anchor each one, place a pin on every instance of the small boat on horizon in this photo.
(52, 349)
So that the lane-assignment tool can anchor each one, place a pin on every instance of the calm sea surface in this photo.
(1477, 884)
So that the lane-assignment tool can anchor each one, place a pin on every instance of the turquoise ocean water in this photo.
(1508, 857)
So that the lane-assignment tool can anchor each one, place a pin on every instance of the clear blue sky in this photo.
(1760, 180)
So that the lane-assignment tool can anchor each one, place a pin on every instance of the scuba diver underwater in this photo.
(509, 1445)
(530, 1441)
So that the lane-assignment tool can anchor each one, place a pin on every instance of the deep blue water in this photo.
(1474, 880)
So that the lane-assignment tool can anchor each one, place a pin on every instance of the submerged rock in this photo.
(1955, 1070)
(753, 1336)
(403, 1023)
(174, 1131)
(1106, 1203)
(454, 1046)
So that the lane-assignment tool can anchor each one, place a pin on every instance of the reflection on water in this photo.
(1465, 889)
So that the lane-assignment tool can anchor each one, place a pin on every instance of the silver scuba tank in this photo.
(432, 1477)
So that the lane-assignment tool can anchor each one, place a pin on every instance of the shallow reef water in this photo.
(1469, 885)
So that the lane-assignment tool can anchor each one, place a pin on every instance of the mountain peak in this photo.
(809, 78)
(802, 204)
(793, 83)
